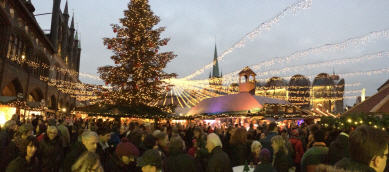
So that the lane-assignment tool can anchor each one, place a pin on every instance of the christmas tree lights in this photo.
(137, 78)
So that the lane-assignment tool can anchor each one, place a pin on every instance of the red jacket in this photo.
(298, 149)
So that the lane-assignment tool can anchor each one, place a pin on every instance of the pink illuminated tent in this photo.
(235, 103)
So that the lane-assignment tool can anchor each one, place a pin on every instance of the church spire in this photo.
(215, 68)
(66, 11)
(72, 23)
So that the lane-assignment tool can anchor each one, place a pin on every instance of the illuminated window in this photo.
(10, 43)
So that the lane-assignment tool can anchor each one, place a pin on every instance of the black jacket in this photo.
(76, 151)
(104, 154)
(349, 164)
(266, 142)
(265, 167)
(239, 154)
(178, 161)
(282, 162)
(219, 161)
(338, 149)
(51, 153)
(114, 164)
(5, 139)
(20, 164)
(16, 147)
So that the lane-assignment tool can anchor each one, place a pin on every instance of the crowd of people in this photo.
(82, 145)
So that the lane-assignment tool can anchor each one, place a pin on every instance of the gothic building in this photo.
(35, 64)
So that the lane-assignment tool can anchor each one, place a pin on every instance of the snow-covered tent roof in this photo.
(241, 102)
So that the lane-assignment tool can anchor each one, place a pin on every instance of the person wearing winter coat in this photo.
(17, 145)
(124, 158)
(64, 133)
(178, 160)
(163, 142)
(89, 141)
(88, 161)
(239, 149)
(256, 148)
(339, 148)
(6, 134)
(368, 150)
(272, 131)
(200, 150)
(104, 150)
(150, 161)
(281, 160)
(297, 147)
(51, 151)
(27, 161)
(219, 160)
(315, 155)
(265, 162)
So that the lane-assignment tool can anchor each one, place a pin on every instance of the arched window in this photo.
(12, 89)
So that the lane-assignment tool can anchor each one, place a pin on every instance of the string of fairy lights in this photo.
(350, 42)
(333, 47)
(188, 92)
(265, 26)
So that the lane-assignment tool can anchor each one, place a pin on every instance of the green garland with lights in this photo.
(351, 121)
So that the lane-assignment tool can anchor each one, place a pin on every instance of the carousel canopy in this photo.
(235, 103)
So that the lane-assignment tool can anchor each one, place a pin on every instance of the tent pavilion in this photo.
(240, 103)
(245, 102)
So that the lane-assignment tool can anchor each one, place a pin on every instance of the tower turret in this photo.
(66, 13)
(55, 23)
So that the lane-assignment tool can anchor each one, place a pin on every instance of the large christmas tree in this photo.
(137, 78)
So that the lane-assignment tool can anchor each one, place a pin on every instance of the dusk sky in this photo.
(193, 26)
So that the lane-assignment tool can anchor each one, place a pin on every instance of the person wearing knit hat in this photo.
(150, 161)
(124, 158)
(265, 161)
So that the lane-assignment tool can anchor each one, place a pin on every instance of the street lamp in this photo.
(63, 109)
